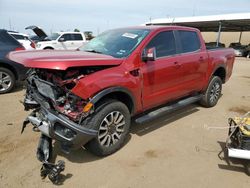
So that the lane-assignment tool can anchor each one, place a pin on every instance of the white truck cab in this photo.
(62, 41)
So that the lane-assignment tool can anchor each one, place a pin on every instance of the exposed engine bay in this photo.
(56, 85)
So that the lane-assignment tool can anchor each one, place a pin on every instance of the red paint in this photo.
(61, 60)
(160, 81)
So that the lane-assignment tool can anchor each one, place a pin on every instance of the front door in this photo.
(68, 43)
(162, 77)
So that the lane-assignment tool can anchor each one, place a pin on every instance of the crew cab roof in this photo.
(158, 27)
(66, 32)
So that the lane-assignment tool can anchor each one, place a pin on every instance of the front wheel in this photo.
(112, 121)
(213, 92)
(7, 80)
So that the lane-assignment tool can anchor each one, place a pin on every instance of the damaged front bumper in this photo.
(55, 125)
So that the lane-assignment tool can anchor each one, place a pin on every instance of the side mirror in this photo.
(61, 39)
(149, 54)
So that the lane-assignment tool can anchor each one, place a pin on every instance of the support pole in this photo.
(218, 35)
(240, 37)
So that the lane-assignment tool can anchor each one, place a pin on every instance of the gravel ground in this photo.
(178, 150)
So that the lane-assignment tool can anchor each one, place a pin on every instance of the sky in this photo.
(100, 15)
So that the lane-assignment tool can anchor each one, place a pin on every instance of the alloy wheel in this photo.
(111, 128)
(5, 81)
(215, 92)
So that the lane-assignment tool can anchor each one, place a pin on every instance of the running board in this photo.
(166, 109)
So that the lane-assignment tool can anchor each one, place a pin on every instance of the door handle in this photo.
(177, 65)
(201, 59)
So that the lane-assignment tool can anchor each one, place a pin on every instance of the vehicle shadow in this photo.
(233, 164)
(77, 156)
(83, 156)
(19, 87)
(165, 119)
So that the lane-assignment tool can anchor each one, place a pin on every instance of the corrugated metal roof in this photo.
(230, 22)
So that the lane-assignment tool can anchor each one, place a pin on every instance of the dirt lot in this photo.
(177, 150)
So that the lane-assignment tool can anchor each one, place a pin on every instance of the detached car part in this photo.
(238, 141)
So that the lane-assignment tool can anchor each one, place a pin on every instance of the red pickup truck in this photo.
(87, 97)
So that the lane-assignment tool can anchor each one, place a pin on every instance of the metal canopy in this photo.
(229, 22)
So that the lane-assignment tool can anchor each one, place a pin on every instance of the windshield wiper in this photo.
(93, 51)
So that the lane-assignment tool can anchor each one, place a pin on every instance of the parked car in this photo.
(24, 39)
(10, 71)
(59, 40)
(62, 41)
(211, 45)
(239, 49)
(87, 98)
(248, 51)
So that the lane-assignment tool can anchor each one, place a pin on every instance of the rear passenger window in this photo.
(78, 37)
(164, 44)
(190, 41)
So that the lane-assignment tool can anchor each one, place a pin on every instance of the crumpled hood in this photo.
(61, 60)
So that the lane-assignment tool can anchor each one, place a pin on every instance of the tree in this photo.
(88, 35)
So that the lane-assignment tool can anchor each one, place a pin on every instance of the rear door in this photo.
(193, 60)
(161, 78)
(78, 41)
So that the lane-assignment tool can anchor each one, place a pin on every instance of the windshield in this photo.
(53, 36)
(118, 43)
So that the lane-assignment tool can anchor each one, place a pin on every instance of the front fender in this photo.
(115, 77)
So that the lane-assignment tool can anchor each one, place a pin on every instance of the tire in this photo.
(213, 92)
(7, 80)
(248, 55)
(248, 169)
(111, 137)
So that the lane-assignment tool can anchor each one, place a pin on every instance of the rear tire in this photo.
(112, 121)
(7, 80)
(213, 92)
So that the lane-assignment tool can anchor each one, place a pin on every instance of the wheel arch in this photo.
(48, 48)
(220, 72)
(119, 93)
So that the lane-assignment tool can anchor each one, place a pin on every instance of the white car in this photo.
(62, 41)
(23, 39)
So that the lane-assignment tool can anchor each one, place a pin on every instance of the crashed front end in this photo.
(57, 112)
(60, 97)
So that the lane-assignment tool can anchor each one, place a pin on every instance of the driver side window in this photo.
(66, 37)
(164, 44)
